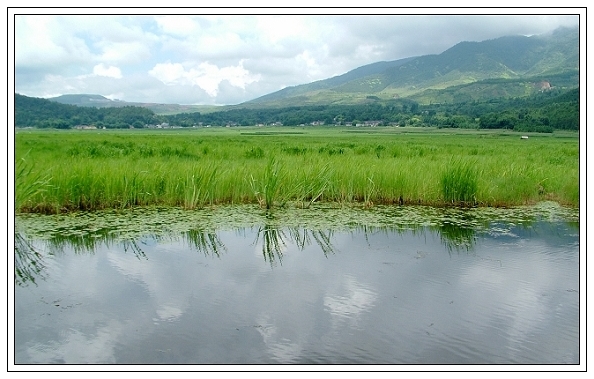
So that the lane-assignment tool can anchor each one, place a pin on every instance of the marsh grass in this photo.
(28, 183)
(459, 182)
(199, 187)
(312, 186)
(267, 189)
(369, 192)
(67, 170)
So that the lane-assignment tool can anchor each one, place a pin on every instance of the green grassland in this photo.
(60, 171)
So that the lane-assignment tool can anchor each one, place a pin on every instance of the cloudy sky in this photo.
(229, 59)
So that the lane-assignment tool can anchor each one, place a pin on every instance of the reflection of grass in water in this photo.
(452, 235)
(207, 243)
(272, 243)
(274, 240)
(28, 262)
(303, 237)
(85, 232)
(132, 245)
(81, 241)
(455, 237)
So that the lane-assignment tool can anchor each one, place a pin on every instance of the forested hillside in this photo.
(42, 113)
(544, 112)
(553, 58)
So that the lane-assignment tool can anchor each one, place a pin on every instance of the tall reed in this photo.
(199, 187)
(28, 183)
(268, 187)
(193, 169)
(459, 182)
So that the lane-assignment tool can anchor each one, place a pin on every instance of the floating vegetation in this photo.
(136, 222)
(37, 235)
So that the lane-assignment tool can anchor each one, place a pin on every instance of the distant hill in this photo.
(86, 100)
(98, 101)
(528, 59)
(551, 108)
(303, 90)
(43, 113)
(513, 66)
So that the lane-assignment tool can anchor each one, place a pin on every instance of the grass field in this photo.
(59, 171)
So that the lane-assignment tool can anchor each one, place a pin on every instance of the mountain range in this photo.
(513, 66)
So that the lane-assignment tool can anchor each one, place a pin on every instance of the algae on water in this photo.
(137, 222)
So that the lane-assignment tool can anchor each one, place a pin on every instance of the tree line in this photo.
(544, 112)
(42, 113)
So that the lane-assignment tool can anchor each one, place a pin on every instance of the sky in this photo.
(231, 58)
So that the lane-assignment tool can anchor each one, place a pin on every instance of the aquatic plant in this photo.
(197, 168)
(459, 182)
(369, 193)
(199, 188)
(267, 189)
(312, 186)
(28, 183)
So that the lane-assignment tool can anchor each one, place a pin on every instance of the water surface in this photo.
(454, 290)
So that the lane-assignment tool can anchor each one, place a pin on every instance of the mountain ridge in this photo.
(508, 57)
(427, 78)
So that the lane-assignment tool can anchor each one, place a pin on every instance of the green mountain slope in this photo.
(43, 113)
(514, 66)
(530, 59)
(300, 90)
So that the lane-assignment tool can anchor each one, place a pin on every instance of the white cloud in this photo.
(278, 28)
(168, 73)
(127, 52)
(114, 96)
(40, 42)
(233, 58)
(111, 71)
(204, 75)
(178, 25)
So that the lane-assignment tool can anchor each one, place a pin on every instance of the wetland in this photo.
(296, 246)
(324, 285)
(63, 171)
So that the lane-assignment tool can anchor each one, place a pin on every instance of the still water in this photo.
(435, 293)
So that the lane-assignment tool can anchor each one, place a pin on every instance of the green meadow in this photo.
(70, 170)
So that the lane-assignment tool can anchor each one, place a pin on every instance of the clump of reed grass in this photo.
(199, 187)
(133, 188)
(267, 190)
(28, 183)
(254, 152)
(459, 183)
(311, 188)
(369, 192)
